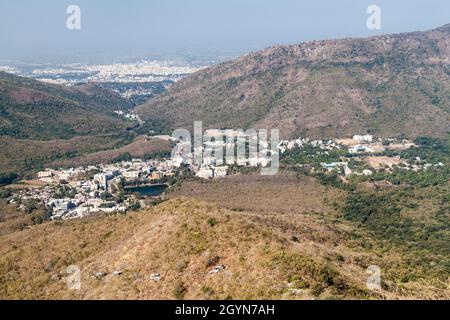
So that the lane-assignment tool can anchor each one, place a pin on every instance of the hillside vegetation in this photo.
(30, 109)
(49, 125)
(305, 246)
(385, 85)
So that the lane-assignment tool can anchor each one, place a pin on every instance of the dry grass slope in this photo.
(176, 239)
(267, 253)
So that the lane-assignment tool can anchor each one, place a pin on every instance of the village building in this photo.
(363, 138)
(131, 175)
(205, 173)
(220, 171)
(360, 149)
(45, 174)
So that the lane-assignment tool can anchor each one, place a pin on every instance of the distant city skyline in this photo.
(36, 30)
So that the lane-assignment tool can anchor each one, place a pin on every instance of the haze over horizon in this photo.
(37, 31)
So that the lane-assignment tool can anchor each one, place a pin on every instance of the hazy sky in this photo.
(36, 30)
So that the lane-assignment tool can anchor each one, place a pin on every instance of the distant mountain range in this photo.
(385, 85)
(30, 109)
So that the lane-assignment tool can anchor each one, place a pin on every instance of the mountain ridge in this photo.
(386, 85)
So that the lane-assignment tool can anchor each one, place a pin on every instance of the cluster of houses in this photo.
(342, 167)
(220, 150)
(360, 147)
(130, 115)
(366, 150)
(324, 145)
(87, 187)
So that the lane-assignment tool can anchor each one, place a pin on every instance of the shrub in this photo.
(179, 291)
(212, 222)
(5, 193)
(181, 265)
(207, 291)
(7, 178)
(213, 261)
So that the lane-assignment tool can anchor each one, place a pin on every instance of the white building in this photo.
(131, 174)
(45, 174)
(63, 176)
(360, 149)
(177, 161)
(100, 178)
(205, 173)
(334, 166)
(220, 171)
(61, 206)
(363, 138)
(82, 211)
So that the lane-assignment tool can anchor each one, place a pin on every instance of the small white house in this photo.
(220, 171)
(45, 174)
(363, 138)
(131, 174)
(360, 149)
(205, 173)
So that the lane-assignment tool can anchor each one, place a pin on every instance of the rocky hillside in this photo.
(30, 109)
(386, 85)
